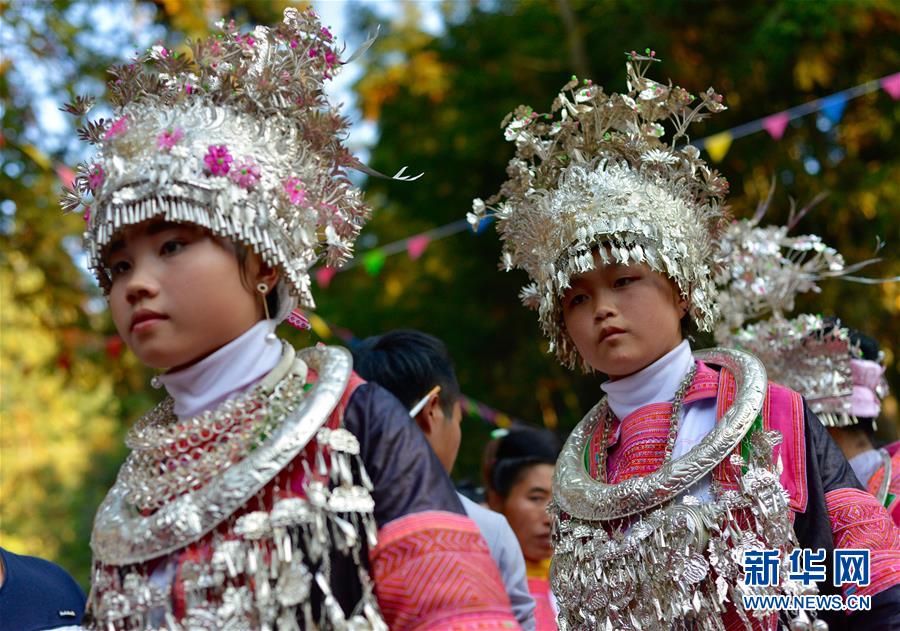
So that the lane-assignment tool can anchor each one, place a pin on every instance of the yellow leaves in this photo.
(422, 75)
(191, 16)
(29, 281)
(194, 17)
(428, 76)
(393, 288)
(375, 89)
(810, 70)
(868, 204)
(54, 427)
(890, 297)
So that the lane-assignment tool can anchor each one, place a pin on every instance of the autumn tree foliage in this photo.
(68, 390)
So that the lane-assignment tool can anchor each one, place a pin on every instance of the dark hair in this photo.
(408, 363)
(517, 452)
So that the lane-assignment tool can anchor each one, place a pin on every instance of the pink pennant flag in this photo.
(65, 174)
(776, 124)
(416, 246)
(891, 85)
(324, 276)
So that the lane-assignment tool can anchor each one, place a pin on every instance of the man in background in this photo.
(417, 369)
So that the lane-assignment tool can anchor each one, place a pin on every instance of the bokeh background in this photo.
(430, 94)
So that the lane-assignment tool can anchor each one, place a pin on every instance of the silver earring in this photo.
(263, 289)
(156, 382)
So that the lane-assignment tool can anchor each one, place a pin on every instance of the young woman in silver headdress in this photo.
(691, 459)
(272, 488)
(838, 370)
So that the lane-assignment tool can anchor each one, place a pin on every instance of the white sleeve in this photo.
(509, 559)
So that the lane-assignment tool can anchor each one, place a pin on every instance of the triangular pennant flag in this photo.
(486, 413)
(718, 145)
(324, 276)
(776, 124)
(484, 223)
(833, 107)
(373, 261)
(65, 174)
(416, 245)
(891, 85)
(319, 326)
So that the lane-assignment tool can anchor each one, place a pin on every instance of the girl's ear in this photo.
(267, 275)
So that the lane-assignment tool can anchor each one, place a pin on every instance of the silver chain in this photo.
(673, 422)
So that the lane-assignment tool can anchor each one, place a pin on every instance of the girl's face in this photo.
(623, 318)
(525, 508)
(177, 294)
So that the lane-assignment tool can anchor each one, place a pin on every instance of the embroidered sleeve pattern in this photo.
(433, 570)
(859, 521)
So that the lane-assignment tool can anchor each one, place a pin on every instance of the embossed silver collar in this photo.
(580, 496)
(122, 536)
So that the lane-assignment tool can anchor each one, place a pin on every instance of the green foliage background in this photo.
(68, 390)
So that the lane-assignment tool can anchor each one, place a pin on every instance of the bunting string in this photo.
(717, 145)
(832, 106)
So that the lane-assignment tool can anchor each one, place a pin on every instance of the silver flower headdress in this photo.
(595, 171)
(237, 137)
(809, 355)
(761, 271)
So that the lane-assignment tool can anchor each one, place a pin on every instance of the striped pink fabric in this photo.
(433, 570)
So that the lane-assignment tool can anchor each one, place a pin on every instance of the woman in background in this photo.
(521, 478)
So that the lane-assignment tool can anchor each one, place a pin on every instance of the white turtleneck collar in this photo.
(657, 383)
(236, 366)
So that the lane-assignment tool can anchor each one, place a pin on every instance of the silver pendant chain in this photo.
(606, 420)
(633, 556)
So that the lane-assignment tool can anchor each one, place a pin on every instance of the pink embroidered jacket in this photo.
(830, 509)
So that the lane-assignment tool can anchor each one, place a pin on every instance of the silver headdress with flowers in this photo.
(595, 171)
(237, 137)
(762, 269)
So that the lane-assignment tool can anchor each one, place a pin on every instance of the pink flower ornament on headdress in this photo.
(169, 138)
(118, 127)
(295, 190)
(95, 177)
(218, 160)
(245, 173)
